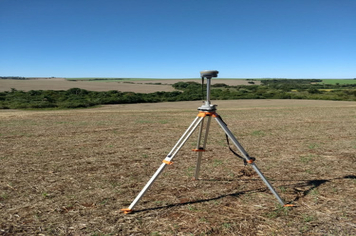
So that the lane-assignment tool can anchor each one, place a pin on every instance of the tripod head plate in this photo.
(209, 73)
(207, 107)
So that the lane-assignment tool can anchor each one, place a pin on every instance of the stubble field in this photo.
(70, 172)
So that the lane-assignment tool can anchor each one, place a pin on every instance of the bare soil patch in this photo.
(70, 172)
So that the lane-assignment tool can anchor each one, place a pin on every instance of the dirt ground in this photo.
(70, 172)
(138, 86)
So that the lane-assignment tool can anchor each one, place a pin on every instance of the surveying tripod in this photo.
(207, 110)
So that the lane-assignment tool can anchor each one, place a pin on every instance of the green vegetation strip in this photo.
(186, 91)
(339, 81)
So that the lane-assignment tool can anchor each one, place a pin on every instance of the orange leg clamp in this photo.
(126, 210)
(198, 150)
(167, 162)
(250, 161)
(207, 113)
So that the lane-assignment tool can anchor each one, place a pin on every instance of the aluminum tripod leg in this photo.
(200, 149)
(166, 161)
(248, 158)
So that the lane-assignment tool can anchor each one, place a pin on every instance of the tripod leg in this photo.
(200, 149)
(166, 161)
(247, 157)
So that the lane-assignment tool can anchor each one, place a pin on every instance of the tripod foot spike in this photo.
(127, 210)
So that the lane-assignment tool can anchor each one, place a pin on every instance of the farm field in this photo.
(339, 81)
(70, 172)
(134, 85)
(63, 84)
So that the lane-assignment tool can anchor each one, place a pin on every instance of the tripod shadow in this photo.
(308, 184)
(203, 200)
(313, 184)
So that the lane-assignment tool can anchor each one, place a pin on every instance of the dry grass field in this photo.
(138, 86)
(231, 82)
(69, 172)
(63, 84)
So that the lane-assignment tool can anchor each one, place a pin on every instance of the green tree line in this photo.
(185, 91)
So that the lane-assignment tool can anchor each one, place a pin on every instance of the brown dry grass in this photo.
(62, 84)
(138, 86)
(70, 172)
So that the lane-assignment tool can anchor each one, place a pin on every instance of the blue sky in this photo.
(178, 38)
